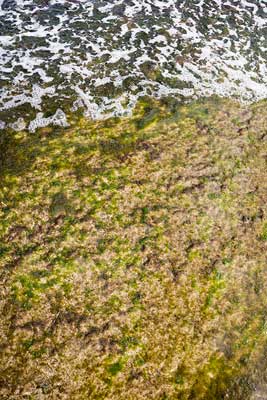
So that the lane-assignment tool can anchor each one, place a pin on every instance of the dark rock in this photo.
(8, 4)
(118, 10)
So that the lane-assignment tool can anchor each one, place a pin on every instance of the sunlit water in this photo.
(99, 57)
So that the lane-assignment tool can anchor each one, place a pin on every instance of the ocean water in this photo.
(100, 57)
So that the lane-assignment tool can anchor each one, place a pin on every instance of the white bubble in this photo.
(2, 125)
(18, 125)
(58, 119)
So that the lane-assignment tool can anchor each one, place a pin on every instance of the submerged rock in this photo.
(133, 255)
(8, 4)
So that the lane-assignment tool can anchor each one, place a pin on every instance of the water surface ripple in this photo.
(101, 56)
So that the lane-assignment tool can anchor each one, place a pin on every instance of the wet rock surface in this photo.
(8, 4)
(133, 256)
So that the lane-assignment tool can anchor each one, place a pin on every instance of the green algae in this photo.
(133, 255)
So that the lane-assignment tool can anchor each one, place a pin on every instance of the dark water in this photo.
(101, 56)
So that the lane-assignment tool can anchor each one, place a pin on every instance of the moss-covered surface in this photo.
(133, 256)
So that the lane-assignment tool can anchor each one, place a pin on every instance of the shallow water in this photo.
(101, 56)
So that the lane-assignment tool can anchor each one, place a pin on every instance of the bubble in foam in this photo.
(18, 125)
(2, 125)
(77, 105)
(58, 119)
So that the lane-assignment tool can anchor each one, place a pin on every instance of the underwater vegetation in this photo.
(133, 256)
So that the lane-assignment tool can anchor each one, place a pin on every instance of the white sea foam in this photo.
(73, 50)
(58, 119)
(18, 125)
(2, 125)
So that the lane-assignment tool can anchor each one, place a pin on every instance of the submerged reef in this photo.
(133, 255)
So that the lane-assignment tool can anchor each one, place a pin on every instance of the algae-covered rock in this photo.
(133, 256)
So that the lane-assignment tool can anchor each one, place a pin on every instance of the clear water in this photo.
(99, 57)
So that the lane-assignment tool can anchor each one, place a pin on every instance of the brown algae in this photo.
(133, 256)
